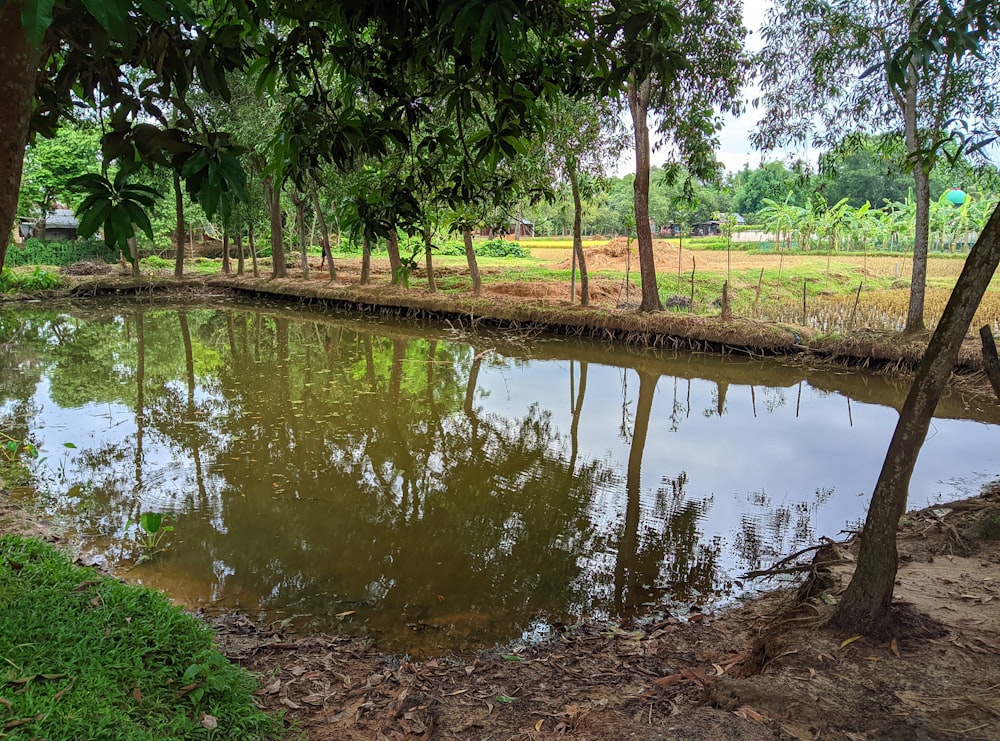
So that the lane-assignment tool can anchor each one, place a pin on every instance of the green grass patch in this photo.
(87, 657)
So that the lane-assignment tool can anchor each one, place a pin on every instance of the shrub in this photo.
(501, 248)
(38, 280)
(36, 252)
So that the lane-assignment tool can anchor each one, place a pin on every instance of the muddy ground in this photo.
(765, 669)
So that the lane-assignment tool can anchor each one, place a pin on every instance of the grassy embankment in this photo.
(84, 656)
(841, 290)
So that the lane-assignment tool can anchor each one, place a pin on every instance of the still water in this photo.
(437, 491)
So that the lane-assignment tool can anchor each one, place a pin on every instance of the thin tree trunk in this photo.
(865, 606)
(253, 251)
(431, 285)
(366, 260)
(638, 103)
(227, 268)
(181, 229)
(299, 201)
(273, 195)
(325, 231)
(470, 257)
(392, 247)
(922, 201)
(240, 256)
(574, 181)
(18, 68)
(133, 248)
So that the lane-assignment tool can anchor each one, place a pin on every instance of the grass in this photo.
(87, 657)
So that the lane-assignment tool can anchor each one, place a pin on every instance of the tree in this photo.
(49, 164)
(865, 606)
(582, 139)
(678, 63)
(126, 60)
(847, 80)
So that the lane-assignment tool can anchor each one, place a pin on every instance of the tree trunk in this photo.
(227, 268)
(865, 605)
(133, 248)
(325, 231)
(366, 260)
(470, 257)
(638, 103)
(574, 181)
(18, 68)
(299, 201)
(181, 229)
(922, 201)
(253, 251)
(431, 285)
(240, 256)
(392, 247)
(273, 195)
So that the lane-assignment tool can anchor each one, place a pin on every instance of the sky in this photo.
(734, 144)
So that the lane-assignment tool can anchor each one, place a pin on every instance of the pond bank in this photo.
(878, 351)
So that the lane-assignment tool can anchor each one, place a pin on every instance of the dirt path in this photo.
(754, 672)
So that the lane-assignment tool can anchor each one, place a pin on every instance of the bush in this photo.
(36, 252)
(501, 248)
(39, 280)
(452, 247)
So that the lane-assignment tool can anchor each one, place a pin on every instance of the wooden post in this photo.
(694, 265)
(857, 299)
(804, 282)
(990, 361)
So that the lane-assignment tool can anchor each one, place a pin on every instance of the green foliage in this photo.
(37, 280)
(90, 657)
(155, 262)
(150, 534)
(500, 248)
(117, 205)
(38, 252)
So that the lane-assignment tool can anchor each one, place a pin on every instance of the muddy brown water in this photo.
(440, 491)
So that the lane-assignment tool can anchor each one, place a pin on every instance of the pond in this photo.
(438, 491)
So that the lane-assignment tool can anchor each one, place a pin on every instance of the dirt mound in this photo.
(87, 267)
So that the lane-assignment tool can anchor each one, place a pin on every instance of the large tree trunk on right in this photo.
(574, 180)
(273, 195)
(18, 69)
(865, 606)
(470, 258)
(638, 103)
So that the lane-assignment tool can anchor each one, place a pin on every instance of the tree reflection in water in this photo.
(345, 474)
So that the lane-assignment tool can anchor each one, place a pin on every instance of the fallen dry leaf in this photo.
(849, 641)
(894, 647)
(749, 713)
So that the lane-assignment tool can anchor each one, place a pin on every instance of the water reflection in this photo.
(440, 495)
